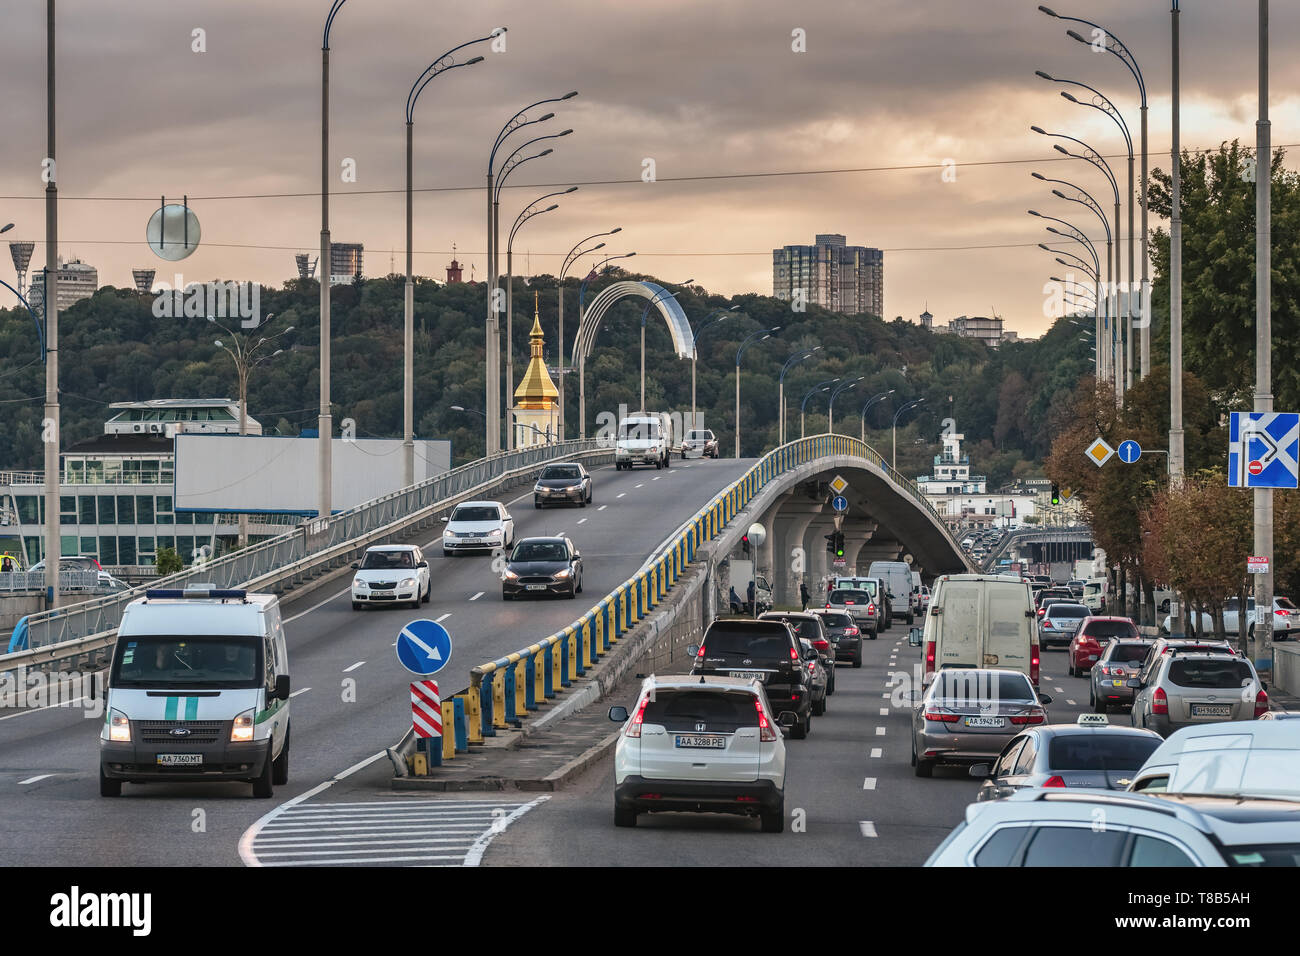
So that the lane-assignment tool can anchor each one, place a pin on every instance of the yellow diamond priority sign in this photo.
(1099, 452)
(838, 485)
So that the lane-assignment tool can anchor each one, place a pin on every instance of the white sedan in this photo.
(478, 526)
(391, 574)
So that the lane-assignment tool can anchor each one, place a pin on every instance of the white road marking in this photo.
(297, 692)
(349, 669)
(582, 521)
(640, 485)
(655, 478)
(334, 597)
(869, 783)
(885, 696)
(439, 620)
(880, 731)
(884, 711)
(876, 752)
(868, 828)
(477, 596)
(620, 494)
(37, 778)
(37, 710)
(1059, 690)
(1072, 703)
(603, 507)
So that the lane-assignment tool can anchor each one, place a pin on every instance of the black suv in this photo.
(767, 650)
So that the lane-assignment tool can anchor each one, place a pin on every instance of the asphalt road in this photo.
(852, 798)
(350, 694)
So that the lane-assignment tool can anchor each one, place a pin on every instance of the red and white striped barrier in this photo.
(426, 708)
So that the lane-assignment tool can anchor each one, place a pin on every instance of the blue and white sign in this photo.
(1263, 449)
(840, 503)
(424, 647)
(1129, 451)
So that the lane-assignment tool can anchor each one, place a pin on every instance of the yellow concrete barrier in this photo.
(448, 729)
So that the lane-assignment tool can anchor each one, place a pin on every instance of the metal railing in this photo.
(503, 691)
(22, 477)
(33, 582)
(295, 546)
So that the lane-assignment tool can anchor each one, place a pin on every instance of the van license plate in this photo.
(180, 760)
(985, 721)
(696, 740)
(1211, 710)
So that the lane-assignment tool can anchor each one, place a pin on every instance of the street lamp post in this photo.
(790, 363)
(1263, 510)
(656, 298)
(871, 401)
(830, 406)
(582, 359)
(897, 415)
(440, 65)
(713, 318)
(574, 254)
(325, 418)
(492, 350)
(50, 431)
(528, 213)
(803, 406)
(1079, 237)
(753, 337)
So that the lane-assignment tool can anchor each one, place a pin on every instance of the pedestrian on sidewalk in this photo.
(803, 595)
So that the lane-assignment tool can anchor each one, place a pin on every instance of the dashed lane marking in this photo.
(477, 596)
(869, 783)
(868, 828)
(352, 667)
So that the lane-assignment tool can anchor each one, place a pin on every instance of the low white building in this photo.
(964, 500)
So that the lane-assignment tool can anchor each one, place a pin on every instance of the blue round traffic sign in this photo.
(1129, 451)
(424, 647)
(840, 503)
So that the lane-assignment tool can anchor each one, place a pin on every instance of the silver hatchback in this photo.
(1059, 622)
(1180, 689)
(968, 716)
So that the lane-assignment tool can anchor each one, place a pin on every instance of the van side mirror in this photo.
(692, 650)
(618, 714)
(423, 564)
(355, 565)
(914, 637)
(281, 687)
(446, 518)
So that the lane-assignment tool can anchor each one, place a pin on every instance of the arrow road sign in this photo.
(1264, 450)
(840, 503)
(1129, 451)
(424, 647)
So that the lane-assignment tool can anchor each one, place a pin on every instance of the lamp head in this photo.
(1039, 130)
(551, 206)
(570, 95)
(1035, 212)
(571, 189)
(458, 408)
(1074, 34)
(545, 152)
(1039, 176)
(564, 132)
(1069, 96)
(544, 118)
(477, 59)
(1059, 194)
(614, 230)
(1046, 76)
(1047, 10)
(7, 227)
(1060, 149)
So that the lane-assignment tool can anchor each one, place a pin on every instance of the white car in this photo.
(391, 574)
(478, 526)
(1286, 618)
(707, 743)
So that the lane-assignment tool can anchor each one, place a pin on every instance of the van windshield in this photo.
(187, 662)
(638, 431)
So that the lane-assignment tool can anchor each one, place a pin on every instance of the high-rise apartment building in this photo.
(77, 281)
(345, 262)
(831, 274)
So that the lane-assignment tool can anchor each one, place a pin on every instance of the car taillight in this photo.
(700, 653)
(821, 644)
(929, 657)
(1261, 704)
(794, 655)
(941, 716)
(851, 632)
(1159, 702)
(1033, 665)
(871, 609)
(828, 605)
(1053, 781)
(634, 728)
(1036, 717)
(1047, 623)
(765, 729)
(1042, 611)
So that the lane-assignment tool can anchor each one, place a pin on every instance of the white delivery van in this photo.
(897, 575)
(644, 438)
(742, 573)
(198, 690)
(981, 620)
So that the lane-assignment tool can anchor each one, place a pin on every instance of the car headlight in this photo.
(242, 730)
(358, 583)
(563, 573)
(119, 728)
(448, 533)
(408, 582)
(574, 488)
(511, 576)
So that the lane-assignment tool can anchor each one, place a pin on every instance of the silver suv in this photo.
(1183, 688)
(1059, 622)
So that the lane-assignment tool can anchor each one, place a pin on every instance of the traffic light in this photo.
(830, 542)
(1056, 494)
(744, 544)
(839, 544)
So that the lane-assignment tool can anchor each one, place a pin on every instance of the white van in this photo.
(897, 575)
(198, 690)
(981, 620)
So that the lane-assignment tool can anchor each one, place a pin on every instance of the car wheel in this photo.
(428, 592)
(873, 635)
(573, 590)
(280, 766)
(924, 768)
(1069, 669)
(537, 503)
(774, 821)
(582, 503)
(356, 606)
(505, 596)
(263, 785)
(659, 463)
(447, 553)
(107, 787)
(579, 584)
(624, 818)
(857, 657)
(830, 687)
(819, 707)
(910, 618)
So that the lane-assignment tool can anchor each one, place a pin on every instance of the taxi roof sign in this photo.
(1093, 720)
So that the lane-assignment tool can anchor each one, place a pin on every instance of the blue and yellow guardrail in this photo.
(504, 691)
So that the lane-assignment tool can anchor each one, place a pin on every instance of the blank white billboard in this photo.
(270, 474)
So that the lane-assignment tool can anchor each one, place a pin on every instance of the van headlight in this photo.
(119, 728)
(242, 730)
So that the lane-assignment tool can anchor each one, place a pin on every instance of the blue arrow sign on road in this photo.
(840, 503)
(1263, 449)
(1129, 451)
(424, 647)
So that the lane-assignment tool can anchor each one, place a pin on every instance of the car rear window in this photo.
(803, 627)
(837, 620)
(1274, 854)
(1286, 603)
(719, 711)
(982, 685)
(850, 597)
(1100, 751)
(1068, 610)
(1192, 672)
(1128, 653)
(761, 641)
(1105, 629)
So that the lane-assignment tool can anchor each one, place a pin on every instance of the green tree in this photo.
(167, 561)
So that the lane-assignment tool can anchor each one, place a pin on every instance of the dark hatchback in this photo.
(540, 566)
(565, 483)
(844, 633)
(766, 650)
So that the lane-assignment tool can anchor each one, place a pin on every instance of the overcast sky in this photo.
(702, 88)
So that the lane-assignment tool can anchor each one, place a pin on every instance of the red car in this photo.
(1093, 634)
